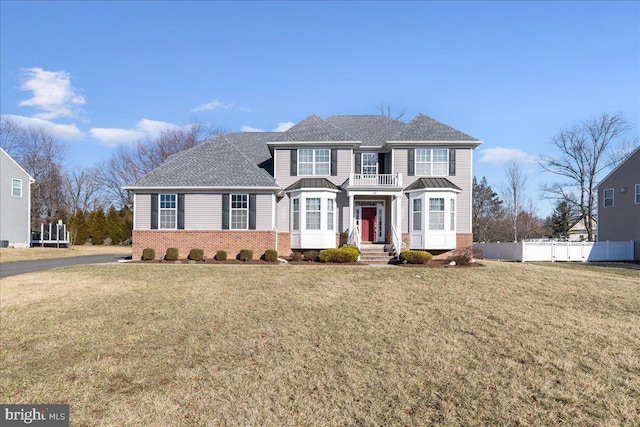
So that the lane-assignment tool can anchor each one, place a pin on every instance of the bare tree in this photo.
(81, 189)
(582, 157)
(385, 110)
(514, 194)
(623, 151)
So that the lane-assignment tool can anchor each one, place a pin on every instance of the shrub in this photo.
(270, 255)
(148, 254)
(415, 257)
(196, 254)
(464, 256)
(221, 255)
(245, 255)
(172, 254)
(311, 255)
(296, 256)
(341, 255)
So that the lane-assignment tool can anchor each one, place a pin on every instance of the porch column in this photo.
(351, 210)
(399, 215)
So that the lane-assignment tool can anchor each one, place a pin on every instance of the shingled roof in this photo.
(216, 163)
(372, 130)
(424, 128)
(253, 144)
(422, 183)
(313, 128)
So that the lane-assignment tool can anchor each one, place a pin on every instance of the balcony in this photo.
(375, 181)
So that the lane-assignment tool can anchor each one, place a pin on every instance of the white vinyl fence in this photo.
(557, 251)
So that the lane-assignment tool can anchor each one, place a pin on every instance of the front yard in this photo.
(507, 344)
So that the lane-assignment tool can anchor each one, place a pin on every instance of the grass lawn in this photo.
(29, 254)
(168, 345)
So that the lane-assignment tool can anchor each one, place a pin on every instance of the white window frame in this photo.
(426, 164)
(314, 163)
(637, 189)
(369, 166)
(417, 213)
(313, 213)
(605, 198)
(437, 213)
(238, 206)
(295, 217)
(15, 181)
(168, 206)
(330, 214)
(452, 218)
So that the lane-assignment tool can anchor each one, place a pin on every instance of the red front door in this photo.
(368, 224)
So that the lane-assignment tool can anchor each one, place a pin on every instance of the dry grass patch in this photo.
(29, 254)
(508, 344)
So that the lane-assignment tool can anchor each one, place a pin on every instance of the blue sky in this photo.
(512, 74)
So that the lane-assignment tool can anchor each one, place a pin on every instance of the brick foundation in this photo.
(231, 241)
(464, 240)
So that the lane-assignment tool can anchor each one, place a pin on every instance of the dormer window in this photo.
(314, 162)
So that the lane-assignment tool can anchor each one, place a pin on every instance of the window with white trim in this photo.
(313, 214)
(295, 209)
(369, 163)
(436, 214)
(16, 187)
(452, 219)
(637, 194)
(607, 196)
(417, 215)
(314, 162)
(239, 212)
(432, 162)
(330, 209)
(168, 211)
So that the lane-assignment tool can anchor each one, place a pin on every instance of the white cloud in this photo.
(213, 105)
(250, 129)
(283, 126)
(245, 109)
(60, 131)
(145, 128)
(52, 94)
(501, 155)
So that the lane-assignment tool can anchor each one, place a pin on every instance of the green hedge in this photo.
(245, 254)
(340, 255)
(172, 254)
(221, 255)
(270, 255)
(415, 257)
(148, 254)
(196, 254)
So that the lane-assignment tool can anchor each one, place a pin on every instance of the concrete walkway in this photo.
(22, 267)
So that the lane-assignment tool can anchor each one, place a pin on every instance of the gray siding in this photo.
(282, 214)
(14, 211)
(202, 211)
(263, 211)
(283, 167)
(142, 208)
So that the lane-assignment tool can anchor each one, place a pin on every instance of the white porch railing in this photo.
(397, 241)
(354, 236)
(377, 180)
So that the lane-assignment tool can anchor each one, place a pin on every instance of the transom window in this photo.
(608, 198)
(369, 163)
(313, 213)
(239, 212)
(168, 211)
(314, 161)
(16, 187)
(432, 161)
(637, 194)
(436, 214)
(417, 214)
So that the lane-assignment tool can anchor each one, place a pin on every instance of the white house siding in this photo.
(263, 211)
(283, 166)
(142, 206)
(202, 211)
(15, 213)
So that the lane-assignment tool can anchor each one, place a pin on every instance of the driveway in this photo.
(21, 267)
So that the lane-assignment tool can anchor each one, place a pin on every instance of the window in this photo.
(637, 194)
(329, 214)
(608, 198)
(16, 187)
(239, 211)
(436, 214)
(453, 215)
(369, 163)
(296, 214)
(313, 213)
(314, 161)
(417, 214)
(168, 211)
(432, 162)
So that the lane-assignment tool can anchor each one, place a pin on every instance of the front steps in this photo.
(373, 253)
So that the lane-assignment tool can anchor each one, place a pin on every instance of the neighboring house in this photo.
(320, 184)
(15, 203)
(619, 203)
(578, 233)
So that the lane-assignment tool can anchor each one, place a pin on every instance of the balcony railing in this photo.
(377, 180)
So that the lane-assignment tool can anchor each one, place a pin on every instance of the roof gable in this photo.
(17, 164)
(313, 128)
(372, 130)
(635, 154)
(424, 128)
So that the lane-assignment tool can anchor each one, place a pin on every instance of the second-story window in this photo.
(432, 161)
(16, 187)
(369, 163)
(314, 161)
(608, 198)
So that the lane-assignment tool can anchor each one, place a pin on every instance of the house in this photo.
(320, 184)
(619, 203)
(15, 203)
(578, 232)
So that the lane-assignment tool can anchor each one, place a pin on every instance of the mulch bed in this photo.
(436, 263)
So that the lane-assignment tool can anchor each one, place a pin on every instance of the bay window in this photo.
(313, 214)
